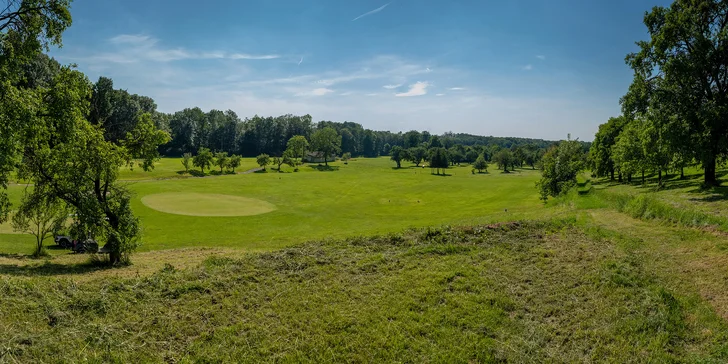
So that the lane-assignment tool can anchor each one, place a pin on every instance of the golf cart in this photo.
(77, 245)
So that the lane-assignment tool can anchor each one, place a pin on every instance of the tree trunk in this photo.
(620, 177)
(629, 178)
(612, 173)
(709, 165)
(659, 177)
(682, 172)
(643, 176)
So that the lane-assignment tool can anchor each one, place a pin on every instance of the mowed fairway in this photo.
(270, 210)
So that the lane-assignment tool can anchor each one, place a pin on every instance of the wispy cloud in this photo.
(301, 61)
(456, 89)
(541, 57)
(527, 67)
(440, 95)
(371, 12)
(251, 56)
(316, 92)
(134, 48)
(390, 87)
(418, 89)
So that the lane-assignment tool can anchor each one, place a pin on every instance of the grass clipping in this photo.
(521, 292)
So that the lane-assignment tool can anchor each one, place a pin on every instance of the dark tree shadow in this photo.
(325, 168)
(51, 269)
(261, 171)
(196, 173)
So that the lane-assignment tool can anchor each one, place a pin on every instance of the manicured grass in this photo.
(365, 196)
(173, 168)
(523, 292)
(206, 204)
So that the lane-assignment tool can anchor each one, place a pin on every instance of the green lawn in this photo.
(607, 273)
(365, 196)
(516, 292)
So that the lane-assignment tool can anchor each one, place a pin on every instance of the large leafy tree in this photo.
(71, 159)
(682, 70)
(561, 165)
(398, 154)
(297, 146)
(27, 27)
(627, 152)
(439, 159)
(600, 152)
(327, 141)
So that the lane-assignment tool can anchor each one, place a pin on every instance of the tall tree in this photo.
(683, 70)
(601, 149)
(561, 165)
(203, 159)
(27, 28)
(398, 154)
(327, 141)
(297, 145)
(439, 159)
(39, 214)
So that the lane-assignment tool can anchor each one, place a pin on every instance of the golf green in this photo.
(206, 204)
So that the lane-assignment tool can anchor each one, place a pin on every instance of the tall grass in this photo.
(649, 207)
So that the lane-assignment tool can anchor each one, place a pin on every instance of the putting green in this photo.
(206, 204)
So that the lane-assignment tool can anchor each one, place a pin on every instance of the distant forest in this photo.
(224, 131)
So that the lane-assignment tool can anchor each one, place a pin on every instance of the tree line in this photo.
(675, 113)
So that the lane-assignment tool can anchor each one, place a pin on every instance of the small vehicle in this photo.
(86, 246)
(77, 245)
(63, 241)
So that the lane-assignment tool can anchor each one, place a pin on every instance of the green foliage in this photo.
(234, 162)
(221, 160)
(398, 154)
(203, 159)
(627, 152)
(416, 155)
(297, 146)
(345, 157)
(480, 164)
(680, 81)
(327, 141)
(186, 160)
(504, 159)
(439, 159)
(27, 28)
(263, 160)
(561, 165)
(600, 153)
(39, 214)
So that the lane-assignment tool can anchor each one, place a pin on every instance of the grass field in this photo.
(328, 271)
(366, 196)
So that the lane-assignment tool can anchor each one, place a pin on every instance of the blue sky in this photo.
(530, 68)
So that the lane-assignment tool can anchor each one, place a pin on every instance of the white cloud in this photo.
(527, 67)
(390, 87)
(371, 12)
(250, 56)
(134, 48)
(418, 89)
(315, 92)
(541, 57)
(456, 89)
(440, 95)
(130, 39)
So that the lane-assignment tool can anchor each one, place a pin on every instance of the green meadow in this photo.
(276, 209)
(364, 262)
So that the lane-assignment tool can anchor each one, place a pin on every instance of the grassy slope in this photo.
(534, 292)
(364, 197)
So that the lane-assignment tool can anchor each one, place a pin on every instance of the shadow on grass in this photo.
(325, 168)
(196, 173)
(51, 269)
(261, 171)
